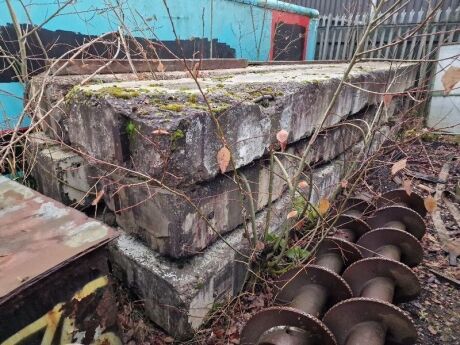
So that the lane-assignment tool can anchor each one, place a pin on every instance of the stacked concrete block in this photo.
(185, 291)
(130, 115)
(59, 172)
(171, 224)
(152, 148)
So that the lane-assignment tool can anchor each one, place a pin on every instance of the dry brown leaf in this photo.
(344, 184)
(168, 340)
(98, 197)
(161, 68)
(303, 185)
(323, 206)
(219, 332)
(282, 137)
(258, 302)
(453, 246)
(299, 225)
(259, 246)
(430, 204)
(450, 78)
(398, 166)
(407, 186)
(160, 132)
(223, 158)
(292, 214)
(387, 98)
(432, 330)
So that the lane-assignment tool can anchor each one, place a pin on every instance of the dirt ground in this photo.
(436, 312)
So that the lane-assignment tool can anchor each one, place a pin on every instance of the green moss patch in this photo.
(118, 92)
(172, 107)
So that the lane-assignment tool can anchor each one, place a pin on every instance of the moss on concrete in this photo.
(130, 128)
(177, 135)
(176, 107)
(193, 98)
(117, 92)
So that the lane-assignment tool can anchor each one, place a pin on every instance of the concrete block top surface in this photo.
(39, 235)
(164, 128)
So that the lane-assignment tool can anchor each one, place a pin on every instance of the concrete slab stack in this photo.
(151, 146)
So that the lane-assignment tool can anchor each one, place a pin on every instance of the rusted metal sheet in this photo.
(54, 285)
(89, 66)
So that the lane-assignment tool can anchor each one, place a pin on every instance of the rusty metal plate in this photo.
(400, 196)
(343, 317)
(284, 318)
(411, 249)
(39, 236)
(290, 283)
(358, 275)
(412, 220)
(348, 252)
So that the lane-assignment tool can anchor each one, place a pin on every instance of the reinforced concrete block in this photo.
(179, 226)
(179, 295)
(165, 129)
(59, 172)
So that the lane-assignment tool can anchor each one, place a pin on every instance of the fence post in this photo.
(326, 38)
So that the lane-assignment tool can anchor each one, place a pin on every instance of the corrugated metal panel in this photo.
(341, 7)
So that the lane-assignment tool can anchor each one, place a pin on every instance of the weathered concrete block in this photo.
(178, 227)
(178, 296)
(165, 130)
(44, 92)
(60, 173)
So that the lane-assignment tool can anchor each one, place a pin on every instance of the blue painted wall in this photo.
(244, 28)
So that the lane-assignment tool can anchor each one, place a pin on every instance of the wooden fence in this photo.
(338, 36)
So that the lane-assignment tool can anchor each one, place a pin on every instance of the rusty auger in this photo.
(388, 241)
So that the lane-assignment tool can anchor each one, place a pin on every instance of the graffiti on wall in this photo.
(69, 322)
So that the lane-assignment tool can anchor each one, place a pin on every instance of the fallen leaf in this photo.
(432, 330)
(258, 302)
(407, 185)
(219, 332)
(450, 78)
(292, 214)
(282, 137)
(259, 246)
(168, 340)
(344, 184)
(232, 329)
(398, 166)
(98, 197)
(387, 98)
(430, 204)
(303, 185)
(234, 339)
(323, 206)
(299, 225)
(223, 158)
(160, 132)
